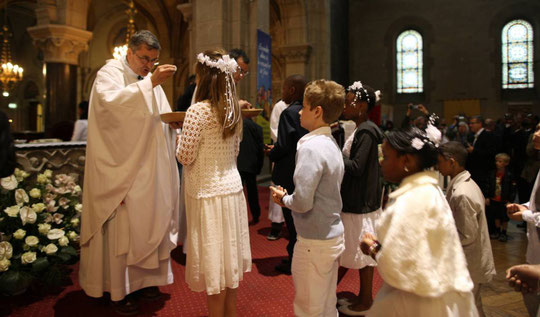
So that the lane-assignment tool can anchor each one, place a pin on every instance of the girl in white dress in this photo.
(218, 250)
(417, 250)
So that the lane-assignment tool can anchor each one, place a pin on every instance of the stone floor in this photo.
(498, 298)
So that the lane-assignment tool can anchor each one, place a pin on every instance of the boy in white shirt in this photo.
(316, 202)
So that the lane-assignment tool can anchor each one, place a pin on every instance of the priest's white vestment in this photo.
(131, 186)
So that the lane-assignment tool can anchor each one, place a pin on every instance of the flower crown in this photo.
(357, 89)
(225, 64)
(433, 135)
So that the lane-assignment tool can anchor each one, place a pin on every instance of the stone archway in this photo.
(300, 47)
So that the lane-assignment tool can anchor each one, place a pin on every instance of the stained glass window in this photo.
(517, 55)
(409, 62)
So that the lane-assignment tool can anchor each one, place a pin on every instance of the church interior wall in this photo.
(461, 51)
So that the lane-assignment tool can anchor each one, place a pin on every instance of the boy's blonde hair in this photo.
(505, 157)
(329, 95)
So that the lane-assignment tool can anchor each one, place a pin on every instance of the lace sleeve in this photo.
(196, 119)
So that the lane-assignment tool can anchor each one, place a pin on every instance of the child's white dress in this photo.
(218, 249)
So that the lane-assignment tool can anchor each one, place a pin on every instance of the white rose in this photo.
(18, 172)
(54, 234)
(78, 207)
(24, 174)
(28, 257)
(28, 215)
(9, 183)
(77, 190)
(73, 236)
(44, 228)
(12, 211)
(19, 234)
(48, 173)
(35, 193)
(4, 265)
(75, 222)
(42, 179)
(39, 207)
(31, 241)
(63, 241)
(6, 250)
(51, 248)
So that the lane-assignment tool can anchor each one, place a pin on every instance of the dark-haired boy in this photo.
(467, 203)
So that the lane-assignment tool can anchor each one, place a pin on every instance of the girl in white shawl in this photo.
(417, 249)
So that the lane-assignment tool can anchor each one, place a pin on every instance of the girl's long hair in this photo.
(212, 86)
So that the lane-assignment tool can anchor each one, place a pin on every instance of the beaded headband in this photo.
(357, 89)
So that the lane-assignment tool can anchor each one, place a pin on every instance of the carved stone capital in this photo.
(187, 12)
(60, 43)
(295, 53)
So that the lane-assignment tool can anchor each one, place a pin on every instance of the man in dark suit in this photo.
(250, 162)
(283, 152)
(482, 148)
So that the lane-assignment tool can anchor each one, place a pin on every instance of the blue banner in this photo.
(264, 81)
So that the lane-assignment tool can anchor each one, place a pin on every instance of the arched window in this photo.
(409, 62)
(517, 55)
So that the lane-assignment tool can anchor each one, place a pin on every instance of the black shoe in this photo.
(149, 293)
(254, 222)
(274, 235)
(284, 268)
(503, 237)
(126, 307)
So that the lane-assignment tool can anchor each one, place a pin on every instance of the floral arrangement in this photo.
(39, 229)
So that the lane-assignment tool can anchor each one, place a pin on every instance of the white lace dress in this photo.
(218, 250)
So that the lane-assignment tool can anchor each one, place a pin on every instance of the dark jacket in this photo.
(7, 149)
(508, 186)
(284, 152)
(361, 187)
(251, 155)
(481, 161)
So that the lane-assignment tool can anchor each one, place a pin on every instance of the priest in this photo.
(130, 197)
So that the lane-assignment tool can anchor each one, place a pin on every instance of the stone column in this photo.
(61, 35)
(187, 14)
(296, 58)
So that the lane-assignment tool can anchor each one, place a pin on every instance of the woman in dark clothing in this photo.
(7, 149)
(360, 192)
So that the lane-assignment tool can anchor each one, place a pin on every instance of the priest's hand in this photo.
(162, 73)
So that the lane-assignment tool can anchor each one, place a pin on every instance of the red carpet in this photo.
(263, 292)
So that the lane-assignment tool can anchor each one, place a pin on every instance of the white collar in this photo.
(324, 130)
(463, 176)
(478, 133)
(420, 178)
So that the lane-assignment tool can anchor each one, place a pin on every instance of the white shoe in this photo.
(344, 301)
(349, 312)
